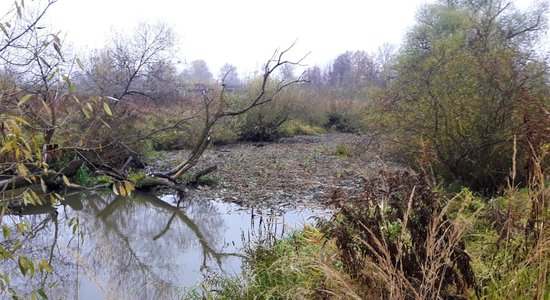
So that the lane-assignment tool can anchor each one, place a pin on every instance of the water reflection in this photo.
(139, 248)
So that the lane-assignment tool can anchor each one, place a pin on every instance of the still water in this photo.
(143, 247)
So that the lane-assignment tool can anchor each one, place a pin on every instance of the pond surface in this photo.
(143, 247)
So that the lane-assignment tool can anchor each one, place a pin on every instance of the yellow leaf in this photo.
(122, 191)
(18, 245)
(6, 147)
(23, 171)
(107, 109)
(14, 128)
(47, 107)
(66, 180)
(18, 119)
(86, 113)
(129, 187)
(27, 154)
(24, 99)
(27, 199)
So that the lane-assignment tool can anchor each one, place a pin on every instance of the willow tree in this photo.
(468, 78)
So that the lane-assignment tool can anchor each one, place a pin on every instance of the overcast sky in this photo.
(244, 32)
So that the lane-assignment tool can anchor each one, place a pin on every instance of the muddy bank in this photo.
(293, 172)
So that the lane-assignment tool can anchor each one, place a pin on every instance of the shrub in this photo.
(262, 124)
(343, 150)
(84, 176)
(464, 102)
(399, 235)
(208, 180)
(298, 127)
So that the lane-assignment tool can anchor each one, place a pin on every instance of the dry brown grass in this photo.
(402, 240)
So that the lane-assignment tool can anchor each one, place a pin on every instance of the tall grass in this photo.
(404, 238)
(513, 251)
(401, 240)
(302, 266)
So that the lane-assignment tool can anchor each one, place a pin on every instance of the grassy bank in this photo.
(405, 239)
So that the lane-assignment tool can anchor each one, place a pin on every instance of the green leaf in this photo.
(26, 266)
(23, 265)
(5, 253)
(6, 231)
(70, 85)
(31, 268)
(74, 223)
(42, 294)
(24, 99)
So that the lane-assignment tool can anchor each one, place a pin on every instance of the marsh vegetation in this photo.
(431, 157)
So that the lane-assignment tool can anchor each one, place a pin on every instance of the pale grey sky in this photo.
(244, 32)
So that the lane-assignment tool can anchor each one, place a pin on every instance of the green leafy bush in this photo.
(462, 97)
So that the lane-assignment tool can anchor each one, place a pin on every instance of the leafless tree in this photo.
(217, 106)
(133, 65)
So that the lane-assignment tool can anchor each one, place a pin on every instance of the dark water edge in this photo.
(143, 247)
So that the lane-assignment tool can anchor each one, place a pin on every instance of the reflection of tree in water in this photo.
(142, 241)
(41, 242)
(130, 247)
(266, 227)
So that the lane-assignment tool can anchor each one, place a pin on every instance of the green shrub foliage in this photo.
(467, 82)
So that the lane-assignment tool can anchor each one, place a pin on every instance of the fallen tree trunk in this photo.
(23, 181)
(151, 182)
(194, 179)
